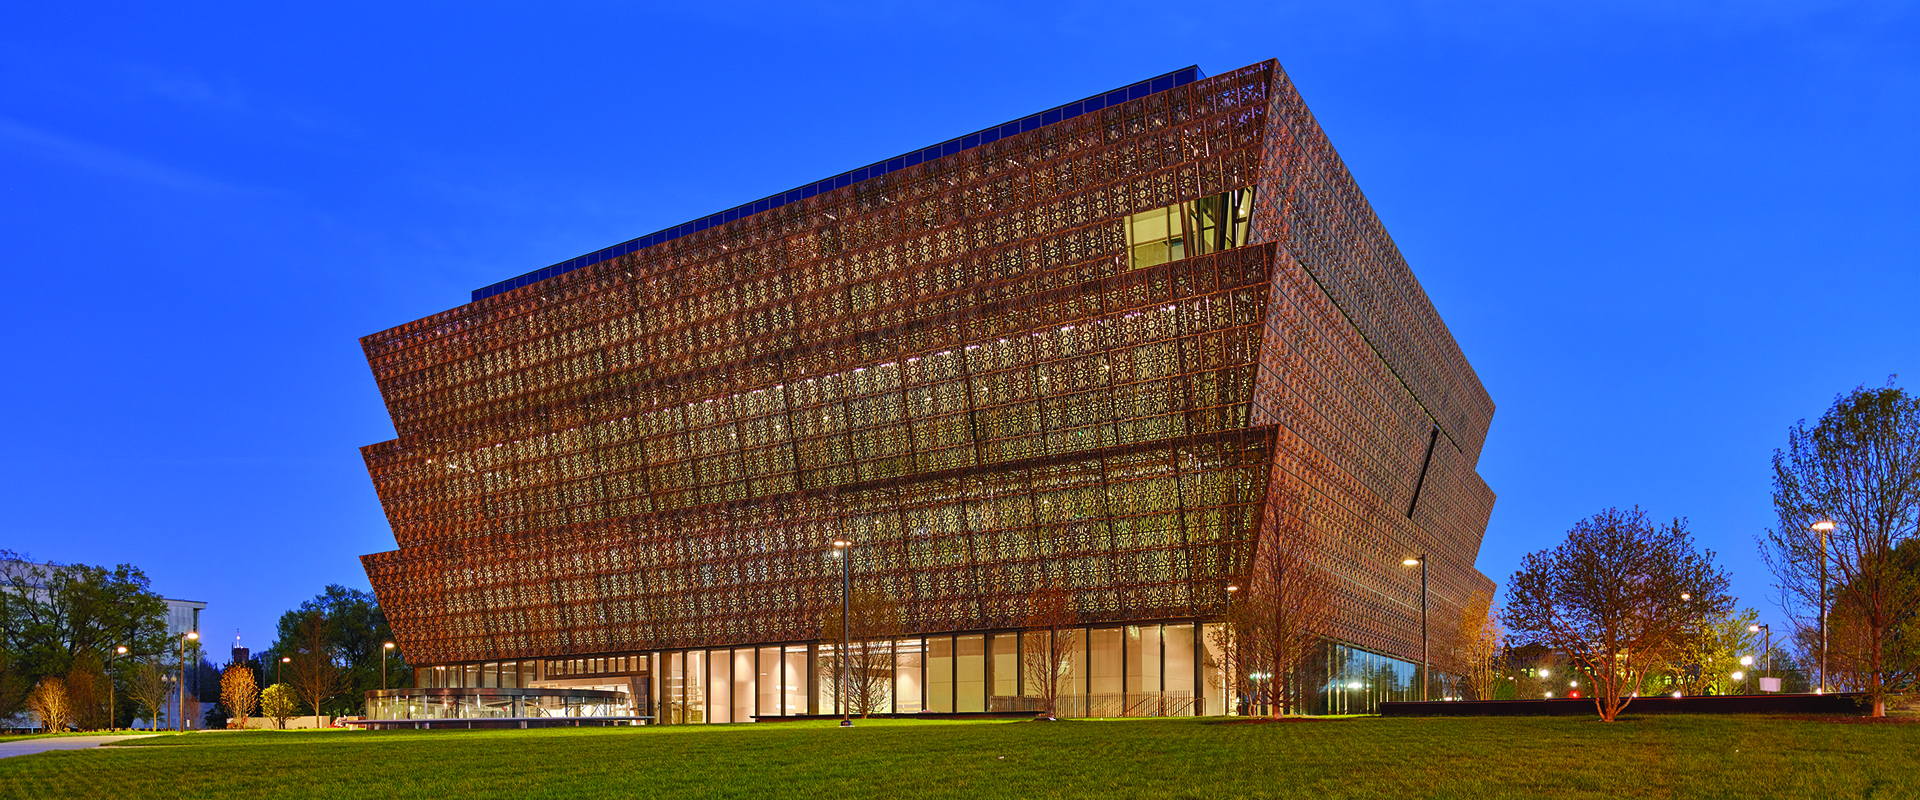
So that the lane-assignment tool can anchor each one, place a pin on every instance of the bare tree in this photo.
(868, 652)
(1053, 633)
(239, 692)
(1619, 597)
(49, 700)
(1280, 623)
(1858, 469)
(149, 689)
(316, 675)
(279, 702)
(1480, 646)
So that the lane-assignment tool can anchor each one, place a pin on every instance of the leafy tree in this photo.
(357, 631)
(1710, 656)
(1858, 469)
(1620, 598)
(87, 692)
(239, 694)
(49, 701)
(1479, 646)
(52, 613)
(279, 702)
(13, 686)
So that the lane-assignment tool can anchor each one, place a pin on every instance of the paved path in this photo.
(31, 746)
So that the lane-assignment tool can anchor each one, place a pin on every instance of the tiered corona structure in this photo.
(1103, 349)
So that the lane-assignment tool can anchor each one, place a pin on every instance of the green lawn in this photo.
(1730, 758)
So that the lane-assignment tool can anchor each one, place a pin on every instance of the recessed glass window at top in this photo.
(1107, 351)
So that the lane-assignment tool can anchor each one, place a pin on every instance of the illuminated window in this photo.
(1196, 227)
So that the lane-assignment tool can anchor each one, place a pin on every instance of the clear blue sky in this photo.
(1661, 235)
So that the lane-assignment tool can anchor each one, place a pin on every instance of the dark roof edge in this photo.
(1087, 105)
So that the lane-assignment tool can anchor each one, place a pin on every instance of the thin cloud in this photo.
(113, 162)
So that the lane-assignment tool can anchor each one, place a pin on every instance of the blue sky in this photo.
(1661, 232)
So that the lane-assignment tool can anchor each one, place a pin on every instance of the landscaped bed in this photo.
(1562, 758)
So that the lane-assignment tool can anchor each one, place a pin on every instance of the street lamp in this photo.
(1233, 704)
(840, 549)
(1422, 561)
(113, 710)
(1825, 527)
(384, 649)
(1768, 647)
(276, 667)
(194, 636)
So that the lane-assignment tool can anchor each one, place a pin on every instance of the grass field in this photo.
(1563, 758)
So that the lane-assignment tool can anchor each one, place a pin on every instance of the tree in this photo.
(1620, 598)
(874, 619)
(1852, 635)
(357, 631)
(316, 676)
(1859, 469)
(279, 702)
(239, 694)
(149, 689)
(86, 684)
(1278, 625)
(13, 686)
(49, 701)
(53, 613)
(1480, 646)
(1711, 654)
(1053, 634)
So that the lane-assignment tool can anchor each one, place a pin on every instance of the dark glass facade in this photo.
(1106, 353)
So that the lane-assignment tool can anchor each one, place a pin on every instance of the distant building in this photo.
(1112, 348)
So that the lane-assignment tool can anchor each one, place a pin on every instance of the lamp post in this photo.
(1824, 526)
(841, 548)
(113, 710)
(276, 667)
(384, 649)
(1745, 661)
(1422, 561)
(1767, 649)
(1233, 703)
(194, 636)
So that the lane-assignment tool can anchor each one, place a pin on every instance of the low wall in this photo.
(1819, 704)
(293, 723)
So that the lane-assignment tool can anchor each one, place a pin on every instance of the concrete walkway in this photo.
(31, 746)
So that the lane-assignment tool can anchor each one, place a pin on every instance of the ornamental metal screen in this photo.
(1102, 354)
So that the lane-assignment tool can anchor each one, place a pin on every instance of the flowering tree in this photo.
(1620, 597)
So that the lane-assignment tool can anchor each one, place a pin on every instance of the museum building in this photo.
(1110, 351)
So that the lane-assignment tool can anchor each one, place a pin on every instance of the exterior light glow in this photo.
(388, 645)
(1543, 673)
(841, 543)
(1746, 661)
(1574, 684)
(1739, 675)
(1233, 587)
(1823, 525)
(1686, 596)
(1411, 562)
(1676, 695)
(1354, 685)
(1549, 695)
(1753, 629)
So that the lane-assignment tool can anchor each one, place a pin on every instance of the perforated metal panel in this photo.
(959, 365)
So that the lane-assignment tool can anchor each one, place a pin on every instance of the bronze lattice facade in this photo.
(1104, 348)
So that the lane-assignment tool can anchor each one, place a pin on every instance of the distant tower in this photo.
(240, 654)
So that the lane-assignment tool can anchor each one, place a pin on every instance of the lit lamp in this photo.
(189, 636)
(1768, 650)
(113, 710)
(384, 650)
(1233, 705)
(276, 667)
(1421, 560)
(840, 546)
(1825, 527)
